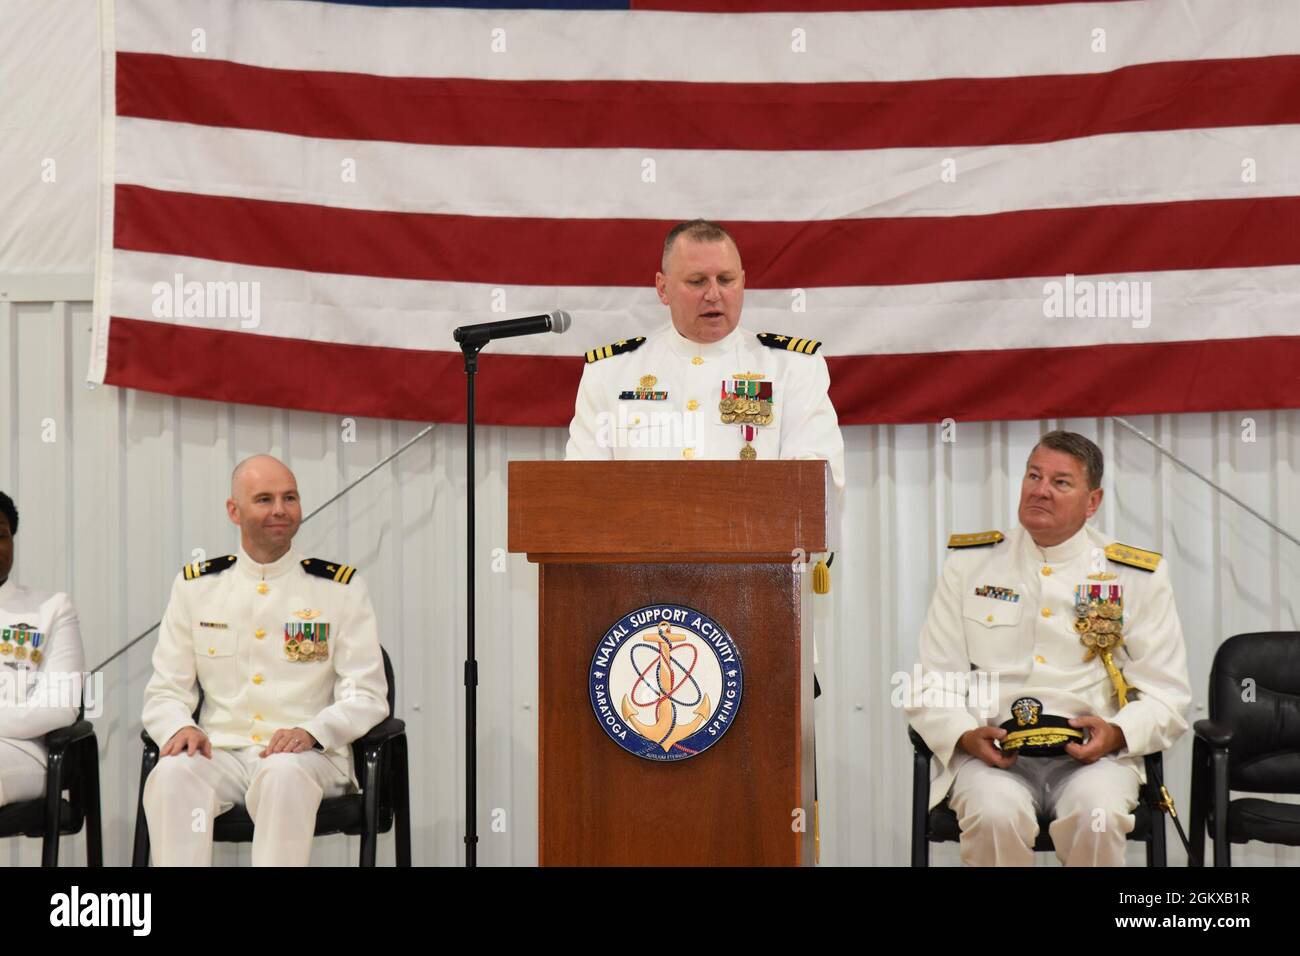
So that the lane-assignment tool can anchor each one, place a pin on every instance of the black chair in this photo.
(380, 760)
(1251, 743)
(940, 824)
(73, 765)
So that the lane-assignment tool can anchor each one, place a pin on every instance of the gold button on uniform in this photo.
(257, 716)
(1047, 612)
(257, 678)
(989, 619)
(637, 420)
(1040, 658)
(698, 360)
(259, 634)
(211, 651)
(692, 405)
(1047, 572)
(688, 452)
(257, 738)
(262, 588)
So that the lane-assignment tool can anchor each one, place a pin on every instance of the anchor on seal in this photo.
(665, 731)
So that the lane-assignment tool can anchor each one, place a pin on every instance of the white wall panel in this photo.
(131, 484)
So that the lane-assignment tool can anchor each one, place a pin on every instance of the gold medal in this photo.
(748, 453)
(37, 657)
(727, 406)
(20, 653)
(6, 648)
(728, 419)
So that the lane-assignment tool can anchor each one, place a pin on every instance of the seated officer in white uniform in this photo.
(1051, 624)
(702, 387)
(286, 650)
(41, 662)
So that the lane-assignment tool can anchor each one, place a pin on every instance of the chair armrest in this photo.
(922, 749)
(1216, 735)
(377, 736)
(62, 738)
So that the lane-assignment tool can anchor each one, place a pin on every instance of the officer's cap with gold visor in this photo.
(1032, 733)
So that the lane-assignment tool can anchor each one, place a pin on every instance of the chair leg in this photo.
(920, 810)
(370, 830)
(140, 852)
(1219, 772)
(401, 803)
(1157, 847)
(90, 786)
(53, 800)
(1196, 822)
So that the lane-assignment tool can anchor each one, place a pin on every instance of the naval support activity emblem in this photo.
(666, 682)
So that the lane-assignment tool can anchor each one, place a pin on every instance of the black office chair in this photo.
(380, 759)
(940, 824)
(1251, 743)
(73, 765)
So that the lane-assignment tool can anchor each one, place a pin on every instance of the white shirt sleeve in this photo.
(944, 655)
(810, 427)
(584, 431)
(1154, 661)
(52, 700)
(173, 690)
(360, 688)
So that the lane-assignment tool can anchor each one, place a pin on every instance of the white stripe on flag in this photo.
(953, 316)
(722, 48)
(734, 185)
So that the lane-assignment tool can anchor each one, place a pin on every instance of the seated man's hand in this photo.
(294, 740)
(1103, 738)
(189, 740)
(979, 743)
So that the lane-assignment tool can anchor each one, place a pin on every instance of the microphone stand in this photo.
(470, 346)
(471, 339)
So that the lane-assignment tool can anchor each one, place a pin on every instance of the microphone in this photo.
(557, 321)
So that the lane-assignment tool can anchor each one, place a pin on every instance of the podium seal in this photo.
(666, 682)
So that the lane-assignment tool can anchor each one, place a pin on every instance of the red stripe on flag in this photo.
(1089, 240)
(1153, 378)
(1196, 94)
(345, 379)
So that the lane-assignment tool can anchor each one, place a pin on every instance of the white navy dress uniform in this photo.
(1007, 608)
(41, 663)
(657, 397)
(289, 644)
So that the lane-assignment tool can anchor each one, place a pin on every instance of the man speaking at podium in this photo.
(702, 387)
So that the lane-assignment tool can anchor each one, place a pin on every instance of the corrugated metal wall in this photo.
(119, 489)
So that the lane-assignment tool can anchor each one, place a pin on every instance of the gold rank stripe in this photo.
(595, 355)
(344, 574)
(806, 346)
(1133, 557)
(972, 540)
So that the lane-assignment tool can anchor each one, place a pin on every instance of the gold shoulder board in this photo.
(1133, 557)
(979, 540)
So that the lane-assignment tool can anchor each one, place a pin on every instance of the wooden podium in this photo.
(725, 539)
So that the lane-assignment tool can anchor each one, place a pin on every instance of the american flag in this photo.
(984, 210)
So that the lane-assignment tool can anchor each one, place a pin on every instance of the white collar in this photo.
(265, 572)
(1069, 549)
(686, 349)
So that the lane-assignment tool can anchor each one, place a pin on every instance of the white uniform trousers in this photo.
(1092, 806)
(282, 792)
(21, 775)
